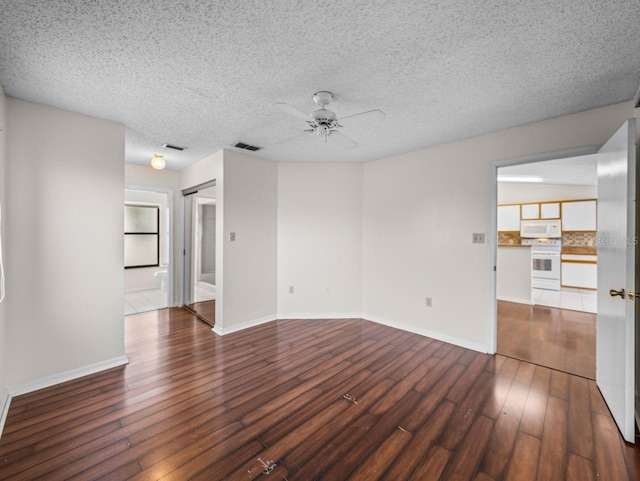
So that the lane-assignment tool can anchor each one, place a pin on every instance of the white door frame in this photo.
(493, 225)
(171, 263)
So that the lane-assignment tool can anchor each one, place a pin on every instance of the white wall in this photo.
(3, 233)
(319, 240)
(65, 178)
(520, 193)
(250, 267)
(513, 278)
(142, 278)
(165, 181)
(420, 210)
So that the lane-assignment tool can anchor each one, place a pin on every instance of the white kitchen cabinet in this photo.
(580, 274)
(530, 211)
(579, 215)
(550, 210)
(508, 217)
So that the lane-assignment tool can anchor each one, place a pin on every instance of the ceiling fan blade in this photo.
(362, 117)
(342, 140)
(291, 110)
(290, 137)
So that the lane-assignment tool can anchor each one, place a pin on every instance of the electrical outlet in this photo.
(290, 289)
(232, 236)
(428, 302)
(478, 238)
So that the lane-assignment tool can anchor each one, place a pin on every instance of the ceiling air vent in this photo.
(174, 147)
(242, 145)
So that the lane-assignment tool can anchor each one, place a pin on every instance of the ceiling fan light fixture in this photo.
(325, 122)
(158, 162)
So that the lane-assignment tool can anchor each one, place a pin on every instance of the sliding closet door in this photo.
(199, 252)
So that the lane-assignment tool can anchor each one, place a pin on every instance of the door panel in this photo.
(199, 247)
(615, 335)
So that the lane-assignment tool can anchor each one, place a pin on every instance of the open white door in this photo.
(615, 336)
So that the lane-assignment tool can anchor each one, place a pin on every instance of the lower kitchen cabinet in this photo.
(580, 274)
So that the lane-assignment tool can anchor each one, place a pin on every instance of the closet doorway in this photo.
(200, 251)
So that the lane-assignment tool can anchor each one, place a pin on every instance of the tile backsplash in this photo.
(509, 238)
(579, 239)
(584, 239)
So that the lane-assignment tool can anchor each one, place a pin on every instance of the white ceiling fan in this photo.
(325, 123)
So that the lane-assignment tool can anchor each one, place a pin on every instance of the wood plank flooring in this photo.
(557, 338)
(310, 400)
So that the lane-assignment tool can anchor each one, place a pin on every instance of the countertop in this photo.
(513, 245)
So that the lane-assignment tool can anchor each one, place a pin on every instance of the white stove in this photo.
(545, 263)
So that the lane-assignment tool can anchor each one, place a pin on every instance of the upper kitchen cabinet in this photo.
(550, 210)
(509, 217)
(579, 215)
(530, 211)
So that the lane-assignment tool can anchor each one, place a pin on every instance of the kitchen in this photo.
(547, 263)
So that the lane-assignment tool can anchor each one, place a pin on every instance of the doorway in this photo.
(199, 267)
(147, 246)
(546, 262)
(616, 279)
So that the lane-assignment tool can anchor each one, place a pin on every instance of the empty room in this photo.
(319, 241)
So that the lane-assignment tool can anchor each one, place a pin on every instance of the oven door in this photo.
(545, 265)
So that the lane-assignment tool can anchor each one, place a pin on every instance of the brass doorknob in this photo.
(614, 293)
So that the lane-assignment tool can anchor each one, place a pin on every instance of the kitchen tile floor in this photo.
(572, 299)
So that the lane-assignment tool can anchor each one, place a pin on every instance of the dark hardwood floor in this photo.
(305, 400)
(557, 338)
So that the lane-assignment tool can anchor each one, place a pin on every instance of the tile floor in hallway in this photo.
(573, 299)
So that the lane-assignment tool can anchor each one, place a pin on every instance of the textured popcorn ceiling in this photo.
(205, 74)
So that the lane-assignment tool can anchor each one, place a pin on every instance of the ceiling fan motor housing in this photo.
(323, 115)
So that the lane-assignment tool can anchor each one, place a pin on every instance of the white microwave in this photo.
(540, 228)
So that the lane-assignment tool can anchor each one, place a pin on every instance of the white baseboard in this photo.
(331, 315)
(223, 331)
(54, 379)
(5, 402)
(518, 300)
(427, 333)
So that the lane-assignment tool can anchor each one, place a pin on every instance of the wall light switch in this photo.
(478, 238)
(232, 236)
(290, 289)
(428, 301)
